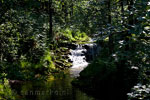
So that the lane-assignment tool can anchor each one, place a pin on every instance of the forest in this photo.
(74, 50)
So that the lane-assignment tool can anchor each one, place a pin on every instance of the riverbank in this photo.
(66, 59)
(57, 86)
(105, 78)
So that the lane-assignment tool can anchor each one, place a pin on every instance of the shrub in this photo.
(5, 91)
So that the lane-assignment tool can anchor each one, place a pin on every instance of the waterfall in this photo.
(92, 50)
(81, 56)
(79, 61)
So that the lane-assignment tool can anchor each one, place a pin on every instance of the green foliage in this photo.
(140, 92)
(27, 70)
(124, 31)
(73, 36)
(5, 91)
(23, 41)
(24, 27)
(122, 25)
(100, 70)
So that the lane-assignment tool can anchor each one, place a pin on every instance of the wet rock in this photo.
(86, 47)
(84, 52)
(15, 81)
(65, 57)
(92, 51)
(69, 60)
(68, 45)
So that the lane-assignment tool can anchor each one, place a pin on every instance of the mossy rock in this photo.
(63, 63)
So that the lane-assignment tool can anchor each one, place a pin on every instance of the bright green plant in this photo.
(5, 91)
(73, 35)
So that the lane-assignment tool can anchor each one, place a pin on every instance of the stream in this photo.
(79, 61)
(57, 87)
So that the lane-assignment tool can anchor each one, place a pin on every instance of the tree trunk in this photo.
(130, 22)
(110, 35)
(50, 34)
(122, 10)
(71, 14)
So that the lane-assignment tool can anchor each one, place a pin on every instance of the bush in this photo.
(27, 70)
(5, 91)
(73, 35)
(104, 76)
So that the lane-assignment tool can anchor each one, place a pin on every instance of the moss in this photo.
(69, 35)
(63, 63)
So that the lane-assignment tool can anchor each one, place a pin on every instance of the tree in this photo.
(50, 35)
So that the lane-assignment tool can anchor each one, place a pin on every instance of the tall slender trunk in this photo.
(130, 8)
(64, 10)
(50, 33)
(122, 6)
(130, 22)
(71, 14)
(110, 35)
(122, 10)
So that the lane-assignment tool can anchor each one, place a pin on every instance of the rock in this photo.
(68, 45)
(92, 51)
(84, 52)
(69, 60)
(65, 57)
(15, 81)
(63, 63)
(59, 63)
(86, 47)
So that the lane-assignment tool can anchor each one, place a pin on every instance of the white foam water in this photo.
(79, 62)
